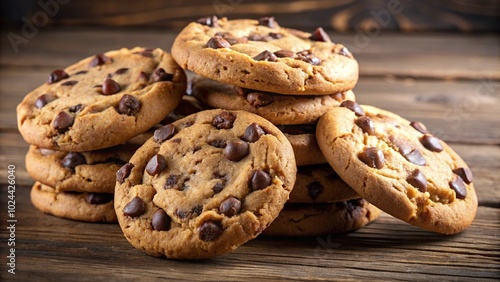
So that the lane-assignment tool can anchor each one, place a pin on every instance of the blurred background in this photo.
(339, 15)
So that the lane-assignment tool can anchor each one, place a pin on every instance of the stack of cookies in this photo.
(291, 78)
(87, 120)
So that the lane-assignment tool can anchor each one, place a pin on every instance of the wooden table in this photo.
(449, 82)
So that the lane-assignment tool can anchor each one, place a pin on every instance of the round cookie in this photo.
(398, 166)
(320, 184)
(102, 101)
(92, 171)
(204, 185)
(322, 219)
(303, 140)
(277, 108)
(261, 55)
(88, 207)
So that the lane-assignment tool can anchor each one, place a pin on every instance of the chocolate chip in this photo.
(259, 180)
(160, 220)
(258, 37)
(135, 207)
(124, 172)
(353, 106)
(431, 143)
(209, 21)
(401, 144)
(224, 120)
(266, 56)
(217, 143)
(121, 71)
(218, 42)
(373, 157)
(236, 150)
(415, 157)
(232, 40)
(110, 87)
(259, 99)
(146, 53)
(156, 165)
(172, 182)
(314, 189)
(63, 121)
(345, 52)
(417, 179)
(161, 75)
(99, 198)
(219, 186)
(73, 159)
(284, 54)
(465, 173)
(209, 231)
(253, 132)
(420, 127)
(230, 206)
(81, 72)
(44, 100)
(57, 75)
(164, 133)
(76, 108)
(69, 83)
(143, 76)
(366, 124)
(458, 185)
(269, 22)
(98, 60)
(308, 57)
(197, 210)
(182, 214)
(129, 105)
(320, 35)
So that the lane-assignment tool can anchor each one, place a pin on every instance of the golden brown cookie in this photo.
(277, 108)
(261, 55)
(304, 144)
(398, 166)
(88, 207)
(322, 219)
(102, 101)
(204, 185)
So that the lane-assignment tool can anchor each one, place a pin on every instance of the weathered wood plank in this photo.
(433, 56)
(387, 249)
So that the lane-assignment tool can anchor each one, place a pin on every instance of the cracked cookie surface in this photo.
(102, 101)
(204, 185)
(261, 55)
(399, 166)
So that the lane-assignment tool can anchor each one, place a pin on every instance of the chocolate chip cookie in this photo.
(320, 184)
(102, 100)
(399, 166)
(88, 207)
(204, 185)
(304, 144)
(262, 55)
(277, 108)
(322, 219)
(92, 171)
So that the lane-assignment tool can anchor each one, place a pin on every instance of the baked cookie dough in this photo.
(102, 101)
(261, 55)
(204, 185)
(399, 166)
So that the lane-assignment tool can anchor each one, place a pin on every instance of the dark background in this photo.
(340, 15)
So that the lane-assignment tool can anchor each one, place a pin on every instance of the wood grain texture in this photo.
(342, 15)
(421, 77)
